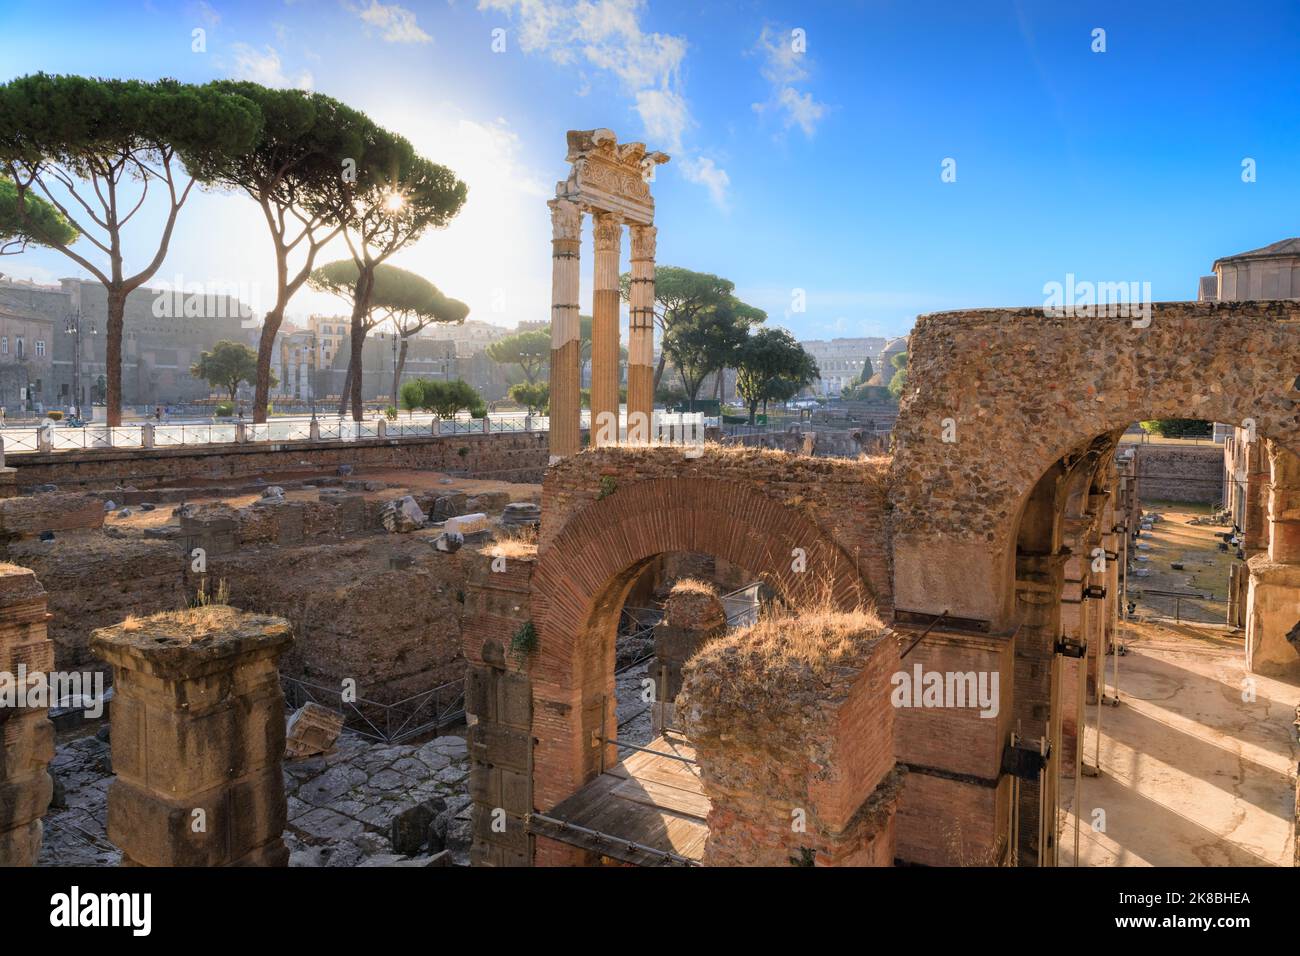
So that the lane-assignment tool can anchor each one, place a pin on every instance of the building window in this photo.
(40, 347)
(4, 345)
(18, 347)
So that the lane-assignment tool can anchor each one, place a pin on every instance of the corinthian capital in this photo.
(608, 231)
(643, 241)
(566, 219)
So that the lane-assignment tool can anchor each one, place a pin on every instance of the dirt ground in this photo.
(1197, 762)
(1174, 540)
(396, 482)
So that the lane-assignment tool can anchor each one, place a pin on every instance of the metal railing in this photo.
(36, 439)
(426, 712)
(668, 429)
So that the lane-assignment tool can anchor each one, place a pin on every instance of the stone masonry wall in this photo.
(379, 608)
(1184, 473)
(499, 710)
(26, 735)
(511, 457)
(996, 396)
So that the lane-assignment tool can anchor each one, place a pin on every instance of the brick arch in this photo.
(586, 567)
(1024, 390)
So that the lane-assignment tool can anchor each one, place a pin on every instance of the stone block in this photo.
(198, 738)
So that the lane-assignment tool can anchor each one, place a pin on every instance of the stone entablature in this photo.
(610, 176)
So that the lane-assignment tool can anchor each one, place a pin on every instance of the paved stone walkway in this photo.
(341, 805)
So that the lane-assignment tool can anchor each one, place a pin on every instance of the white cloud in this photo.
(784, 66)
(265, 68)
(204, 13)
(707, 173)
(801, 109)
(607, 35)
(665, 116)
(397, 24)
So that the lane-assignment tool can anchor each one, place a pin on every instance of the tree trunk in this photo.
(360, 308)
(397, 371)
(113, 357)
(659, 371)
(691, 391)
(753, 411)
(358, 404)
(346, 393)
(265, 353)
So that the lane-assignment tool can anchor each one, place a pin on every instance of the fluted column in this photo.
(566, 345)
(641, 336)
(604, 331)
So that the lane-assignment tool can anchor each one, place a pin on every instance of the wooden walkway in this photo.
(648, 810)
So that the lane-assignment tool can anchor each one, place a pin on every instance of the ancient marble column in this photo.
(604, 331)
(641, 336)
(26, 734)
(198, 738)
(566, 344)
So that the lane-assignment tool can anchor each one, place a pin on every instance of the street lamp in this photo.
(73, 327)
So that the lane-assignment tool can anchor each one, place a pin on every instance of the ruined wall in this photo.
(954, 808)
(808, 776)
(511, 457)
(97, 580)
(843, 498)
(1184, 473)
(94, 576)
(499, 710)
(381, 609)
(26, 734)
(995, 396)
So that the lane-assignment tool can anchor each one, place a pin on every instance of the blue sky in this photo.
(817, 170)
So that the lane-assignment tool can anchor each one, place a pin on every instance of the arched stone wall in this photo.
(609, 512)
(1019, 390)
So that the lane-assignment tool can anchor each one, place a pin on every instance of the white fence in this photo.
(676, 429)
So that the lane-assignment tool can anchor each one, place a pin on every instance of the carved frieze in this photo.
(609, 176)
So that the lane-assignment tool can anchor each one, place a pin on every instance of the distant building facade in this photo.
(164, 333)
(841, 361)
(1272, 272)
(26, 358)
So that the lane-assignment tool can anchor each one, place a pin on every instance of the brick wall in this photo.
(842, 500)
(807, 776)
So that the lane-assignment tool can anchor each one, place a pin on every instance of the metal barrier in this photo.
(426, 712)
(21, 439)
(28, 439)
